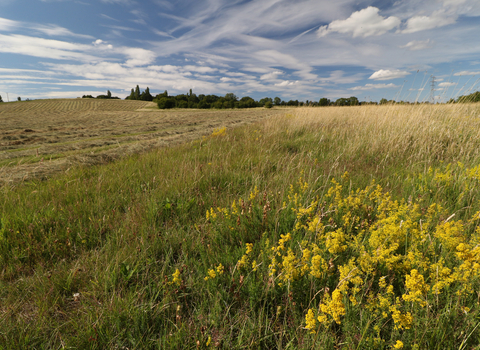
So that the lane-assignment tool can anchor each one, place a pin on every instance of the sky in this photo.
(294, 49)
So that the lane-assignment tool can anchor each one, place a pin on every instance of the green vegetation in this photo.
(473, 97)
(108, 96)
(349, 228)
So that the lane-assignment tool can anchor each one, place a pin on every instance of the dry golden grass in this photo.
(421, 133)
(39, 138)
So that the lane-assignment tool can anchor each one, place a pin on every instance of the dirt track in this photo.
(39, 138)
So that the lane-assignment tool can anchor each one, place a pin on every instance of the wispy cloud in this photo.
(418, 45)
(374, 86)
(466, 72)
(439, 18)
(8, 24)
(447, 84)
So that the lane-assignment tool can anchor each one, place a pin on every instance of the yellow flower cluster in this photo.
(176, 278)
(213, 273)
(395, 259)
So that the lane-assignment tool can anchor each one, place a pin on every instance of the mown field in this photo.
(319, 228)
(40, 138)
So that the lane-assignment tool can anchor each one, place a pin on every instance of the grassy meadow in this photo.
(316, 228)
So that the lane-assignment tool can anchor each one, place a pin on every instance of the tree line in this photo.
(230, 100)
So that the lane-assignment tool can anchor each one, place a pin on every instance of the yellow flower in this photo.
(335, 306)
(310, 321)
(416, 287)
(176, 277)
(398, 345)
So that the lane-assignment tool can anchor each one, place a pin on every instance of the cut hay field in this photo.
(317, 228)
(39, 138)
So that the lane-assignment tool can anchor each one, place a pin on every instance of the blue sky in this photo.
(294, 49)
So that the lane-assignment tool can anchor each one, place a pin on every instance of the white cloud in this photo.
(374, 86)
(387, 74)
(437, 19)
(54, 30)
(465, 72)
(200, 69)
(339, 77)
(418, 45)
(469, 8)
(447, 84)
(39, 47)
(287, 83)
(271, 76)
(138, 56)
(366, 22)
(8, 25)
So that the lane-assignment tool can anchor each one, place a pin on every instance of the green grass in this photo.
(87, 257)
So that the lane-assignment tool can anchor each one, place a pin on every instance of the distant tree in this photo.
(109, 94)
(383, 101)
(342, 102)
(166, 103)
(146, 96)
(324, 102)
(137, 93)
(203, 104)
(87, 96)
(265, 100)
(247, 102)
(231, 97)
(292, 103)
(474, 97)
(277, 101)
(193, 100)
(19, 98)
(132, 95)
(268, 104)
(1, 99)
(353, 101)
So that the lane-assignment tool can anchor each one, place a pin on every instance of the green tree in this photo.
(383, 101)
(324, 102)
(137, 93)
(277, 101)
(1, 98)
(247, 102)
(132, 96)
(109, 94)
(265, 100)
(268, 104)
(166, 103)
(231, 97)
(19, 98)
(353, 101)
(146, 96)
(342, 102)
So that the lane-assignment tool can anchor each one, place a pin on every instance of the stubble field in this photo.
(40, 138)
